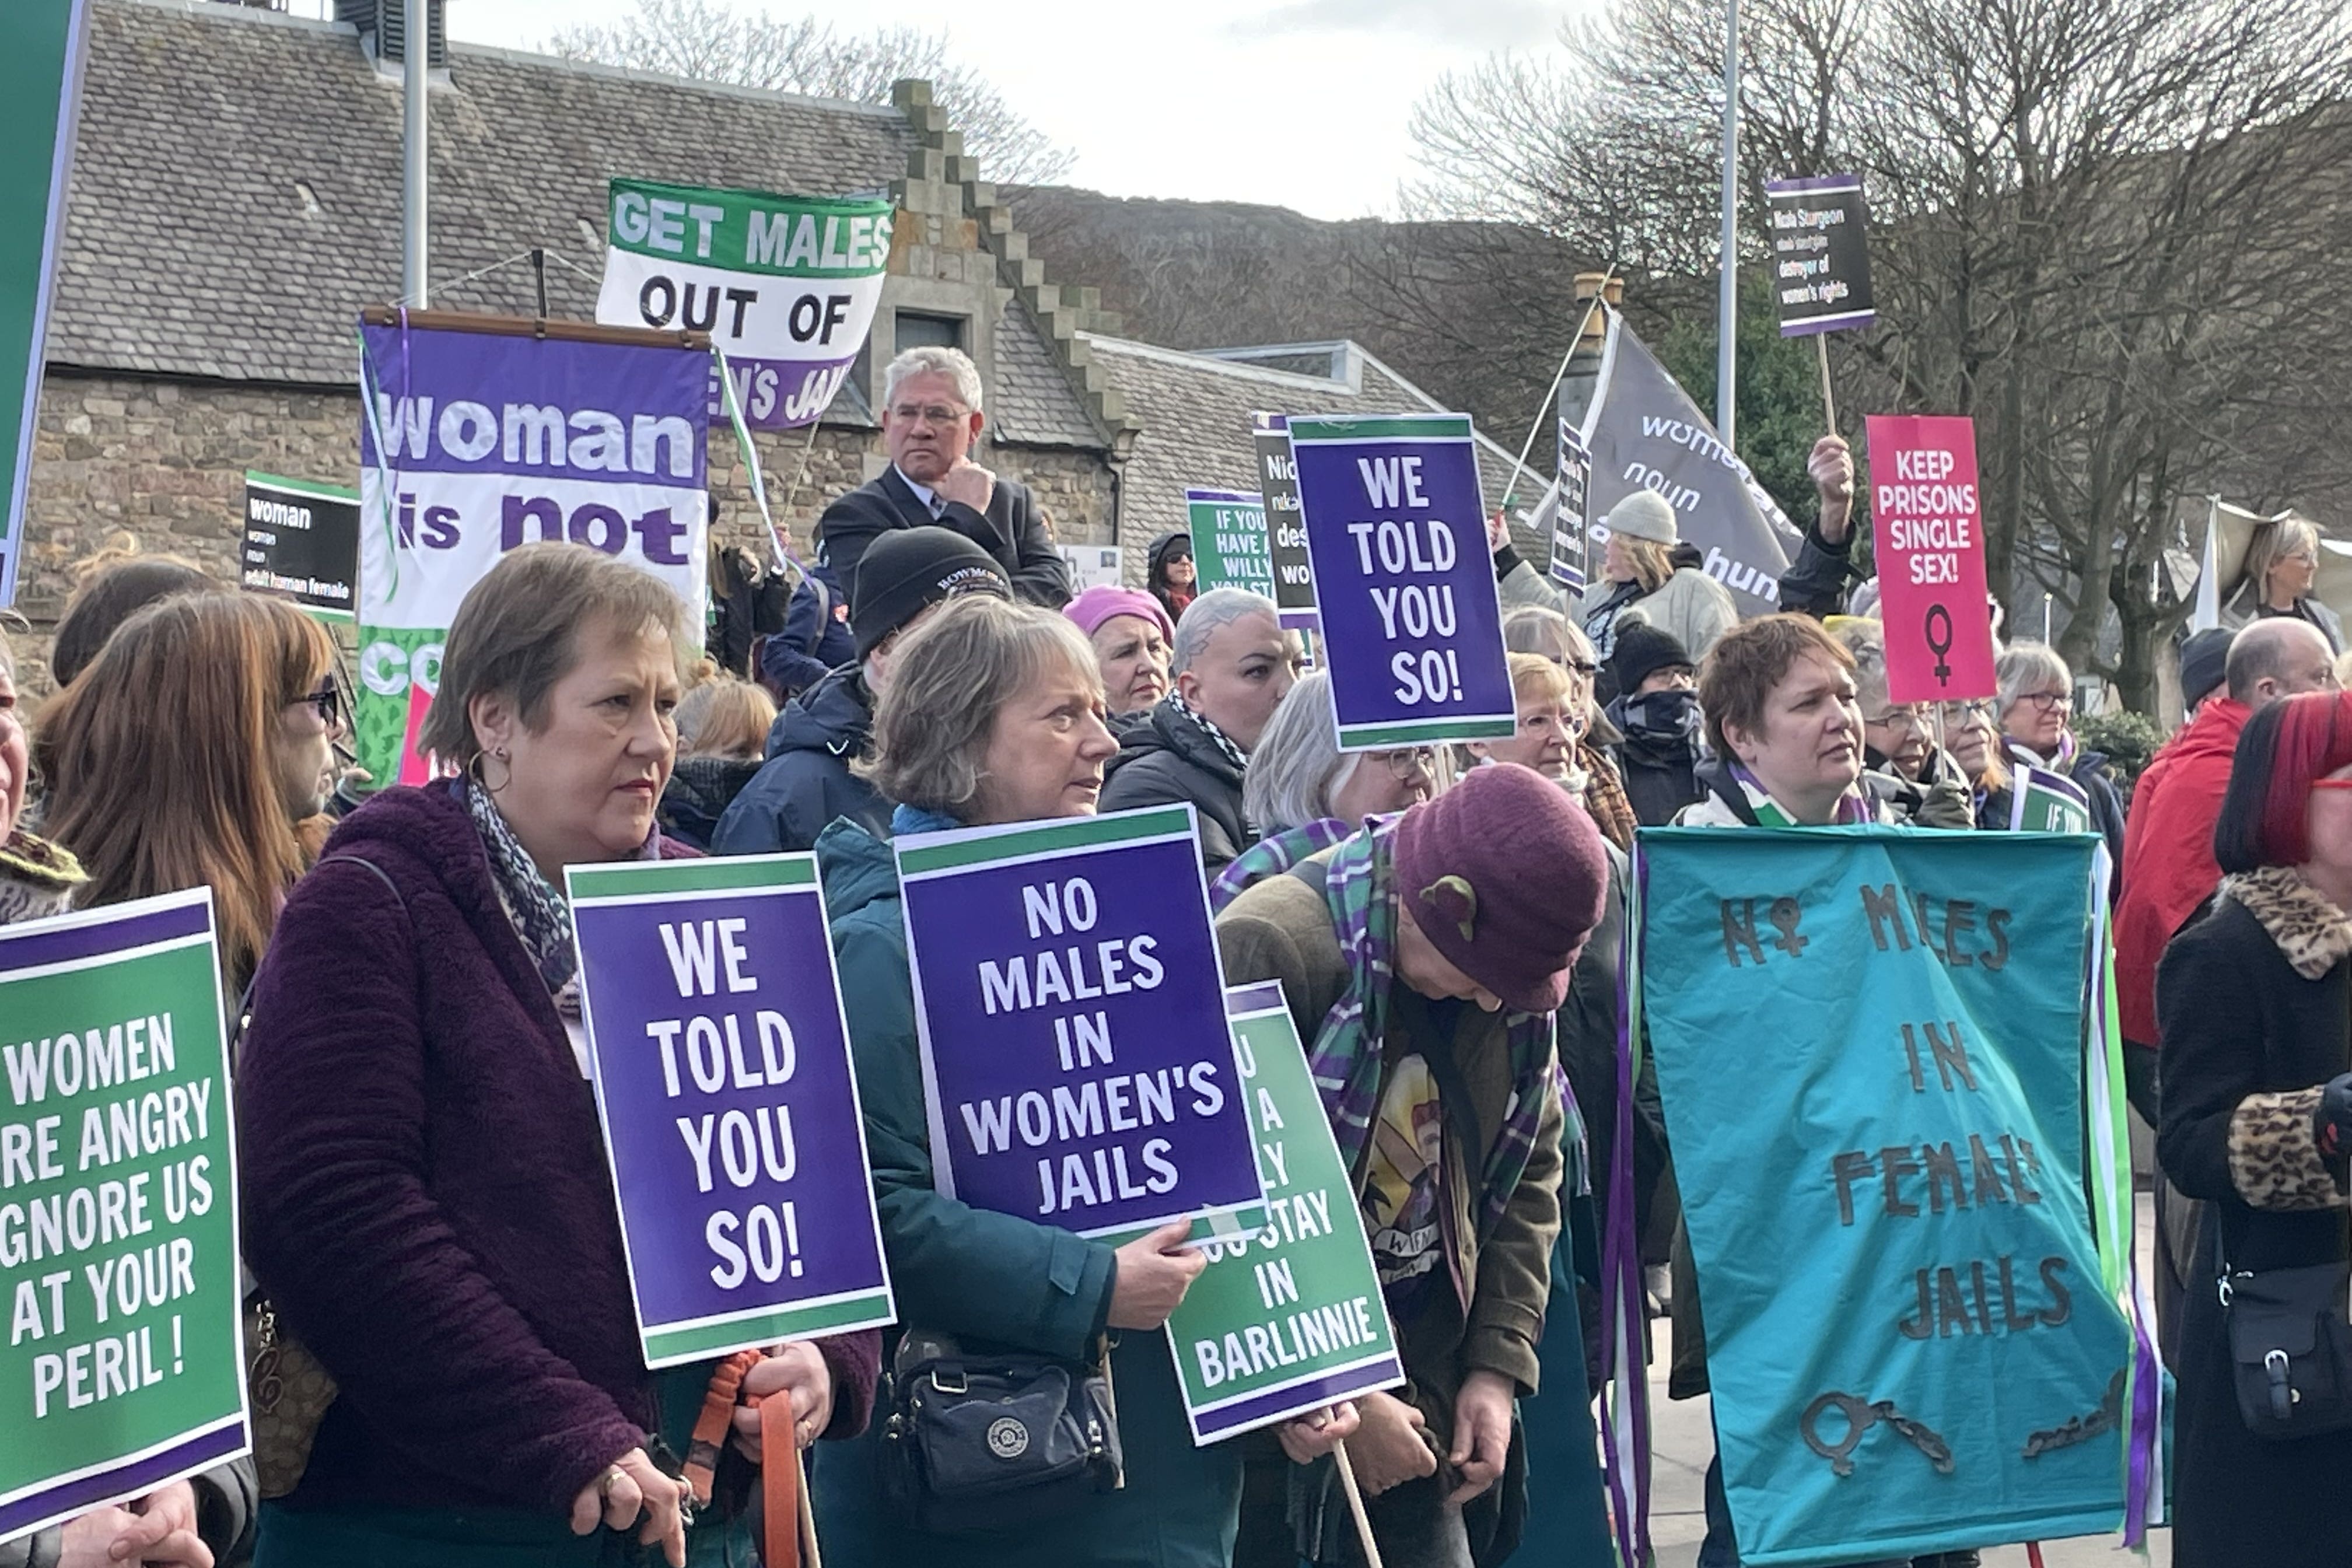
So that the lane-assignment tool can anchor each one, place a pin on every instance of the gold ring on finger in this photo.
(608, 1480)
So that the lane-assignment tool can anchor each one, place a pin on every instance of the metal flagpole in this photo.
(1728, 306)
(415, 55)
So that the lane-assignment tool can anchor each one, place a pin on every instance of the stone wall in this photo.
(165, 461)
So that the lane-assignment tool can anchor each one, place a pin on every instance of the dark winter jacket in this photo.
(806, 781)
(1170, 758)
(700, 789)
(1816, 584)
(427, 1202)
(1659, 752)
(747, 602)
(994, 1280)
(815, 640)
(2256, 1004)
(1009, 531)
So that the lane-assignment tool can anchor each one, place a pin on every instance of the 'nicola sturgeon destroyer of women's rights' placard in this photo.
(1078, 1069)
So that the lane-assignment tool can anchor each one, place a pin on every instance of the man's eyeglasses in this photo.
(928, 413)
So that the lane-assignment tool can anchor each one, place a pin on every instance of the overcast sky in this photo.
(1301, 103)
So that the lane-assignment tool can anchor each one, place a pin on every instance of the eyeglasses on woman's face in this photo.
(2048, 701)
(1899, 720)
(1412, 762)
(328, 699)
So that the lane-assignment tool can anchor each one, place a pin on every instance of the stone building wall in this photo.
(165, 461)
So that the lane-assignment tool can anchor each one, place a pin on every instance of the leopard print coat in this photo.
(2274, 1160)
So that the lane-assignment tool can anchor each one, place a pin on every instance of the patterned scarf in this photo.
(1273, 857)
(539, 913)
(1601, 625)
(1345, 1059)
(1224, 743)
(1854, 808)
(1605, 797)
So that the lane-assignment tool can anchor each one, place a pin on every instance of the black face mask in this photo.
(1669, 716)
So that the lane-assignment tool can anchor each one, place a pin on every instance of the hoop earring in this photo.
(480, 774)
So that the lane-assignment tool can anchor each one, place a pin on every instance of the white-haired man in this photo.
(931, 417)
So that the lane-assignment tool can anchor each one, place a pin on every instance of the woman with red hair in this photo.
(2254, 1002)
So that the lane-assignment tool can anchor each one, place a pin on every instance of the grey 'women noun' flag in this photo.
(1643, 430)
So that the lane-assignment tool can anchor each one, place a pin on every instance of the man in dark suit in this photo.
(931, 417)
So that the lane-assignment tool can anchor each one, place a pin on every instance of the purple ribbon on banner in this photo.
(1624, 1317)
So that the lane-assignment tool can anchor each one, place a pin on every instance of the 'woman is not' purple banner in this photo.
(1078, 1069)
(730, 1107)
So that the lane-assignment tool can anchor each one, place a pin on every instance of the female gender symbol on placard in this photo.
(1940, 617)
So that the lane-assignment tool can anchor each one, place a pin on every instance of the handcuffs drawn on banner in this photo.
(1860, 1415)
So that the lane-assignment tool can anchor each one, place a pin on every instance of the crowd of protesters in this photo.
(428, 1210)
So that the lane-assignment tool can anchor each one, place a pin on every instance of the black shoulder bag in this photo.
(2290, 1345)
(978, 1442)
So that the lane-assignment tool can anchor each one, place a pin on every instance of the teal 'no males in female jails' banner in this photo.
(1872, 1046)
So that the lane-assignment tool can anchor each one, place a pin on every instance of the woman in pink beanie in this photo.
(1132, 637)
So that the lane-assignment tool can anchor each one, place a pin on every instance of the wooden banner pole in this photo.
(1828, 402)
(1356, 1504)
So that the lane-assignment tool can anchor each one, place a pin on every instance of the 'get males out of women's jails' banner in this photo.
(1871, 1048)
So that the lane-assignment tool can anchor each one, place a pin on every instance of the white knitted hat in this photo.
(1644, 514)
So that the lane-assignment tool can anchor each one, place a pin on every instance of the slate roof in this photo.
(1196, 409)
(236, 191)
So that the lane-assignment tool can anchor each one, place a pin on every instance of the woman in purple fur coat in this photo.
(427, 1198)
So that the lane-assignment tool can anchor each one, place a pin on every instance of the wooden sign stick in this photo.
(1356, 1504)
(810, 1555)
(1828, 402)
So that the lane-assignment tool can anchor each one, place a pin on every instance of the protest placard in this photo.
(473, 444)
(1821, 253)
(1914, 1343)
(1277, 477)
(1077, 1070)
(731, 1112)
(1931, 569)
(785, 285)
(1091, 565)
(1645, 433)
(1288, 1318)
(1404, 587)
(1229, 548)
(301, 542)
(2041, 800)
(40, 93)
(1570, 489)
(124, 1368)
